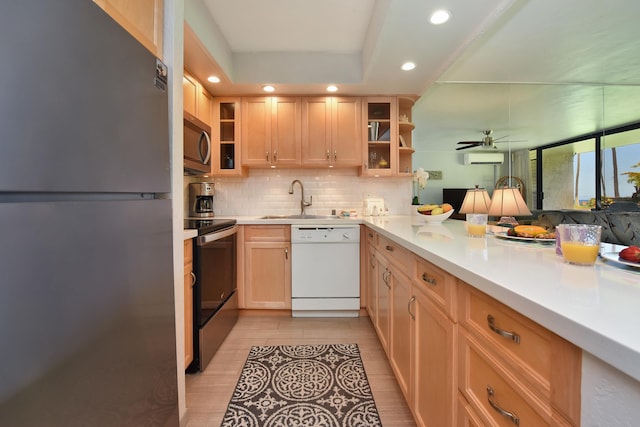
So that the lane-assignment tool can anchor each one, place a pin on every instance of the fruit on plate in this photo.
(632, 253)
(431, 209)
(531, 231)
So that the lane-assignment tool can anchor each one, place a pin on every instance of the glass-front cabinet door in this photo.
(381, 134)
(226, 137)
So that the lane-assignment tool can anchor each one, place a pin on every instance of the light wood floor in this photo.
(208, 392)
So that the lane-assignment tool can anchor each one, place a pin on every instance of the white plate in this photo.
(504, 235)
(613, 256)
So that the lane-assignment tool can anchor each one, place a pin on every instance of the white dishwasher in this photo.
(325, 270)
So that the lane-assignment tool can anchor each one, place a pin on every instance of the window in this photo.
(569, 176)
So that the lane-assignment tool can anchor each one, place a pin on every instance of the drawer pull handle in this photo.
(389, 248)
(511, 335)
(193, 278)
(411, 301)
(370, 235)
(429, 280)
(513, 417)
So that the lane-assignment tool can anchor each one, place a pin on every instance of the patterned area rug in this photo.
(303, 385)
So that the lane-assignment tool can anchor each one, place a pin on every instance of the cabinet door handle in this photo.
(328, 154)
(335, 155)
(429, 280)
(275, 155)
(373, 261)
(386, 276)
(389, 248)
(513, 417)
(286, 253)
(370, 235)
(511, 335)
(193, 278)
(267, 156)
(411, 301)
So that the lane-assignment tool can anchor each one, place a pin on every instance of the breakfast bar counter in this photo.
(596, 308)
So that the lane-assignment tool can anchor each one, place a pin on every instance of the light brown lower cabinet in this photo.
(434, 363)
(402, 330)
(188, 302)
(267, 267)
(463, 358)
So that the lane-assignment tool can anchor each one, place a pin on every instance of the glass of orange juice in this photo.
(580, 243)
(476, 224)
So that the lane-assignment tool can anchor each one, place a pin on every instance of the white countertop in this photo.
(596, 308)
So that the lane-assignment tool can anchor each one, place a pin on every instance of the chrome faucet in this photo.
(303, 203)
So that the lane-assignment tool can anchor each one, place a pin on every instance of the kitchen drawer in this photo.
(267, 233)
(543, 360)
(439, 285)
(466, 416)
(396, 253)
(495, 392)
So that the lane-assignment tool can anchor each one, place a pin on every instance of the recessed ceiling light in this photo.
(214, 79)
(407, 66)
(440, 17)
(268, 88)
(332, 88)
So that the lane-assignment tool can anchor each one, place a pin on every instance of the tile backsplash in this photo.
(266, 192)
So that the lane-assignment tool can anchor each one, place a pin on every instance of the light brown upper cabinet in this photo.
(388, 149)
(225, 137)
(271, 129)
(331, 131)
(141, 18)
(197, 101)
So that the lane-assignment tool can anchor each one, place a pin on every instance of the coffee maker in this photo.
(201, 200)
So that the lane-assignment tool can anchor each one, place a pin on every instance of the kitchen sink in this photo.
(300, 217)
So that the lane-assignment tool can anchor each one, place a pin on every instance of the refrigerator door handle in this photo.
(205, 136)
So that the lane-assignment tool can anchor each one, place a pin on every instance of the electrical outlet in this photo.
(435, 174)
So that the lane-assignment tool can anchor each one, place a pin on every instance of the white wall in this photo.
(609, 397)
(455, 174)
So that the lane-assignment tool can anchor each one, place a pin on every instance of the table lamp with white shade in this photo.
(507, 203)
(476, 200)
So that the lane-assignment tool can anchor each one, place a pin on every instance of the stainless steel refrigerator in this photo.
(87, 332)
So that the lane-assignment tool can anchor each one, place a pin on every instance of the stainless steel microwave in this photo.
(197, 145)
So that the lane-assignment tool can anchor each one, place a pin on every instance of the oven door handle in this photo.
(217, 235)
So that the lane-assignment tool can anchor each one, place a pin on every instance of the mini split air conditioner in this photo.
(483, 158)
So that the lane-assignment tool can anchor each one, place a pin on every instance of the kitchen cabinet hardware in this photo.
(286, 253)
(513, 417)
(372, 261)
(510, 335)
(386, 276)
(193, 279)
(389, 248)
(429, 280)
(411, 301)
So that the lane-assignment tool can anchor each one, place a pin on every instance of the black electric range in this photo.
(207, 225)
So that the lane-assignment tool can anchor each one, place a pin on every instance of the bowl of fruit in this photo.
(435, 214)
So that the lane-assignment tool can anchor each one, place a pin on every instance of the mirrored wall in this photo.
(578, 126)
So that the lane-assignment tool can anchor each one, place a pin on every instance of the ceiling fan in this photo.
(487, 142)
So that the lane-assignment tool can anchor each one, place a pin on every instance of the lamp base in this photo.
(507, 221)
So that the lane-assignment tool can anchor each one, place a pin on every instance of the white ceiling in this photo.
(535, 70)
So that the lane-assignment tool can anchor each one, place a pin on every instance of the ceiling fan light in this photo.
(408, 66)
(440, 17)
